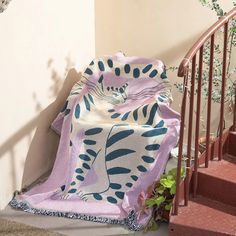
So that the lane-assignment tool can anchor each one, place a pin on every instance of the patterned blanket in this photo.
(116, 131)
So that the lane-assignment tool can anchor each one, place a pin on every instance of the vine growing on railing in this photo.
(231, 71)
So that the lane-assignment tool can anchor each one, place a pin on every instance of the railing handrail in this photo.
(205, 36)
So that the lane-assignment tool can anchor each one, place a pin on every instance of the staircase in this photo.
(213, 211)
(205, 201)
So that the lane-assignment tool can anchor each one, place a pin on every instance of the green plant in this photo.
(161, 200)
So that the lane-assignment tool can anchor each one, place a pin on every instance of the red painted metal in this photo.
(231, 144)
(190, 130)
(221, 126)
(234, 124)
(183, 72)
(197, 129)
(209, 99)
(181, 140)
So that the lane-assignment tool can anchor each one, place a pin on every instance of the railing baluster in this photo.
(208, 133)
(234, 122)
(181, 140)
(198, 114)
(190, 131)
(223, 91)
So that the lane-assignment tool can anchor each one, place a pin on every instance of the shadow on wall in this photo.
(42, 149)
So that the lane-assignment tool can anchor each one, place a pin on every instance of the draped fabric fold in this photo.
(116, 132)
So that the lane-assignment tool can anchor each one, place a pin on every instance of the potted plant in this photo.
(161, 199)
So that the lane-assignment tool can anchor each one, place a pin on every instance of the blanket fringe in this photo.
(130, 221)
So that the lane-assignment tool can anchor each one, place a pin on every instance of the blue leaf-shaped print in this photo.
(154, 132)
(73, 190)
(118, 170)
(152, 114)
(64, 107)
(153, 73)
(152, 147)
(121, 125)
(163, 75)
(145, 110)
(110, 63)
(136, 72)
(111, 110)
(97, 196)
(79, 171)
(115, 115)
(135, 114)
(88, 71)
(73, 183)
(129, 185)
(84, 157)
(125, 116)
(91, 152)
(117, 71)
(90, 98)
(77, 111)
(120, 194)
(71, 143)
(115, 186)
(100, 79)
(86, 102)
(63, 188)
(118, 153)
(89, 142)
(160, 124)
(111, 200)
(127, 68)
(141, 168)
(80, 177)
(134, 177)
(118, 136)
(86, 166)
(67, 111)
(101, 66)
(147, 68)
(93, 131)
(160, 99)
(148, 159)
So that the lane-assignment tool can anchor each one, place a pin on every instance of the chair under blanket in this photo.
(116, 132)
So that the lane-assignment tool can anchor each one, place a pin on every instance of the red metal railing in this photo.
(184, 71)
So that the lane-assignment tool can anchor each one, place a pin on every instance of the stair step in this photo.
(218, 181)
(232, 144)
(204, 217)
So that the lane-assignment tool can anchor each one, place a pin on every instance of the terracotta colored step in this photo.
(204, 217)
(218, 181)
(232, 144)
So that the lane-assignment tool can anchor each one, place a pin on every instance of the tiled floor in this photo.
(73, 227)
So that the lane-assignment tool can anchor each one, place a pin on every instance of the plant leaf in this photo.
(159, 200)
(168, 206)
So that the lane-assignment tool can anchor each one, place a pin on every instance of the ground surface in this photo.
(62, 226)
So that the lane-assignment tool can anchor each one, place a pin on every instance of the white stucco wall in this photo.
(36, 39)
